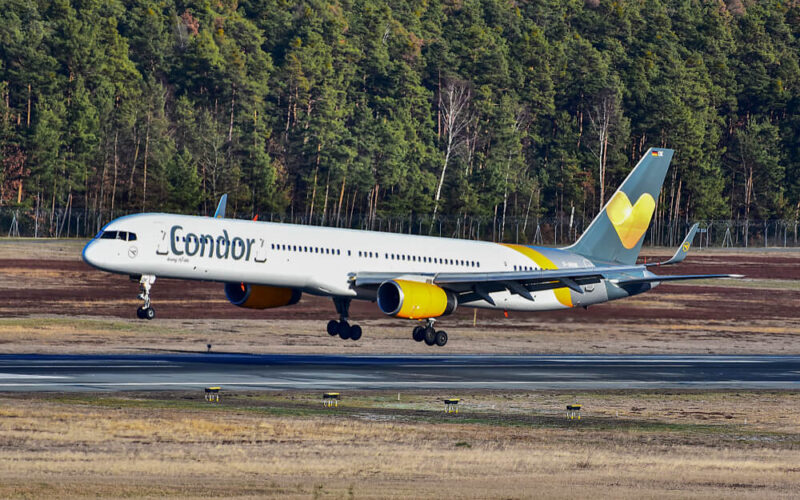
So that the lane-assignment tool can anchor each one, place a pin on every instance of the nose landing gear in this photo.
(145, 311)
(342, 328)
(429, 334)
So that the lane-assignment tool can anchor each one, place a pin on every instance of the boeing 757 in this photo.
(264, 265)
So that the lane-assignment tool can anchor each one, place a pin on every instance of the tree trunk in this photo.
(325, 202)
(341, 196)
(28, 121)
(144, 172)
(114, 184)
(233, 103)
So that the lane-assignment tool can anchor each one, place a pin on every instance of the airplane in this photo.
(265, 265)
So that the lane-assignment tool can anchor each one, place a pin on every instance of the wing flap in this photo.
(675, 277)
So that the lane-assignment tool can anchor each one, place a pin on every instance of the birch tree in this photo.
(603, 115)
(454, 103)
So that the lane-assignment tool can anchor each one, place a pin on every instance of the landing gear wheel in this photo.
(333, 328)
(145, 283)
(441, 338)
(430, 335)
(344, 330)
(419, 333)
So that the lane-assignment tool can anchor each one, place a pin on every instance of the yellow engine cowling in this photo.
(260, 296)
(415, 300)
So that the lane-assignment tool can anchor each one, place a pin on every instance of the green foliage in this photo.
(328, 108)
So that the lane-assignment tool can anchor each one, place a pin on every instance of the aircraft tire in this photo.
(441, 338)
(344, 330)
(149, 313)
(430, 336)
(140, 312)
(333, 328)
(355, 332)
(418, 334)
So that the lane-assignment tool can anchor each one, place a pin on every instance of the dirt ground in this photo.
(500, 445)
(54, 302)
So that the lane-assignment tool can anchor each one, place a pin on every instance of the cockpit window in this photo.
(118, 235)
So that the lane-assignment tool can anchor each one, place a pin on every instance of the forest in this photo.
(482, 108)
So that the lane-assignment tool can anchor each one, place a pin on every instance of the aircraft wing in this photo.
(471, 286)
(517, 282)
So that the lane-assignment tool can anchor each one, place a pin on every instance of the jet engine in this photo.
(260, 296)
(415, 300)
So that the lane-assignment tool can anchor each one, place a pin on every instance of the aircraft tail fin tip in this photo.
(223, 201)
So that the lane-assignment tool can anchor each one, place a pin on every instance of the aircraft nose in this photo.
(91, 254)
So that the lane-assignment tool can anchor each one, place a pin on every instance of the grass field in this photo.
(500, 445)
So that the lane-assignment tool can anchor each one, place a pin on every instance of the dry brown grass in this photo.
(118, 446)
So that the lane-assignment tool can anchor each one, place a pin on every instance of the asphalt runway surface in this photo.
(35, 372)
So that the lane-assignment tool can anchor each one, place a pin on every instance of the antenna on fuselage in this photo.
(223, 201)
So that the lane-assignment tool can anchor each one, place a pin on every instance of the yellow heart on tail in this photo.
(630, 221)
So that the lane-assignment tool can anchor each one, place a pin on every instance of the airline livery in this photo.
(264, 265)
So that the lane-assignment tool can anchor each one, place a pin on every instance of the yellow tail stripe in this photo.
(562, 294)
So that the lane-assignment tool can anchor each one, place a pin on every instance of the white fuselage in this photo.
(316, 260)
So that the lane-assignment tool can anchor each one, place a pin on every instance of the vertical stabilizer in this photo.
(616, 234)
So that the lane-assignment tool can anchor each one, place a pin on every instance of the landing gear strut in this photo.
(145, 283)
(429, 334)
(342, 328)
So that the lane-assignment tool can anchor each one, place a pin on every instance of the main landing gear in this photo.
(146, 311)
(429, 334)
(342, 328)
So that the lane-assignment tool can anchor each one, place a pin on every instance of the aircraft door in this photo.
(163, 243)
(261, 251)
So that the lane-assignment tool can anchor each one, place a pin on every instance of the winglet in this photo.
(223, 201)
(682, 250)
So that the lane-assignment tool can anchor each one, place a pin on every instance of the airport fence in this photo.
(548, 231)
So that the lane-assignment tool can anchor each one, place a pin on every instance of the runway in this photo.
(275, 372)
